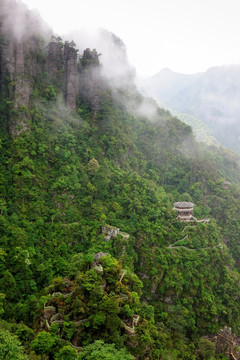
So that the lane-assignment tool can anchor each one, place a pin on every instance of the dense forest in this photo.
(95, 263)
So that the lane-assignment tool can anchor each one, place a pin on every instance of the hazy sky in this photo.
(184, 35)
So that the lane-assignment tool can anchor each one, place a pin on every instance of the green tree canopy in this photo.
(10, 348)
(100, 350)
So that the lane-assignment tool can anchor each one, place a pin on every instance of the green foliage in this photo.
(10, 348)
(2, 298)
(93, 166)
(50, 93)
(67, 353)
(127, 311)
(89, 58)
(206, 349)
(44, 343)
(69, 174)
(100, 350)
(25, 334)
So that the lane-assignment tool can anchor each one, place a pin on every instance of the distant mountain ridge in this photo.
(167, 83)
(212, 97)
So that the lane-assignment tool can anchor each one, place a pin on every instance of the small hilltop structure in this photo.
(185, 212)
(226, 184)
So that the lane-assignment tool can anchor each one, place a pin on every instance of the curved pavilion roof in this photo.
(183, 205)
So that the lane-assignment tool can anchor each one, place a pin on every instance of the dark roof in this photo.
(183, 205)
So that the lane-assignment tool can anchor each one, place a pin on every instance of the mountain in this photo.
(167, 83)
(95, 261)
(211, 97)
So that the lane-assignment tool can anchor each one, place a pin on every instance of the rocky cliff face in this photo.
(34, 62)
(22, 62)
(54, 58)
(71, 76)
(19, 44)
(14, 72)
(23, 83)
(16, 84)
(90, 81)
(61, 65)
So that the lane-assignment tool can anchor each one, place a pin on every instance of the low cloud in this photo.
(19, 22)
(115, 66)
(116, 70)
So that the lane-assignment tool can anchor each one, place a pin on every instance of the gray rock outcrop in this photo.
(71, 75)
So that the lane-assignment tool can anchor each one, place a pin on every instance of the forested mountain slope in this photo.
(210, 98)
(94, 263)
